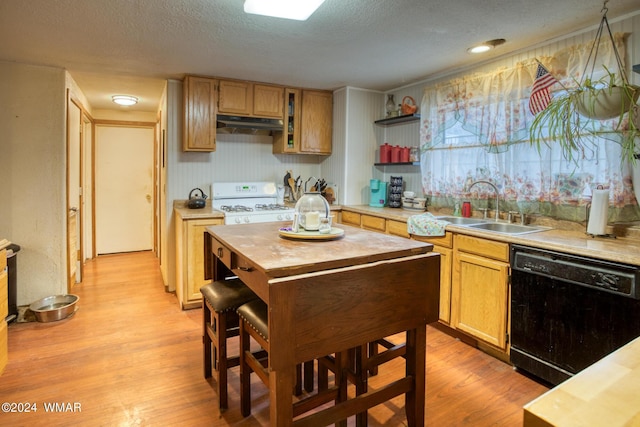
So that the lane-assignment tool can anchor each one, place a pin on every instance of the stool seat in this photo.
(227, 295)
(255, 313)
(220, 299)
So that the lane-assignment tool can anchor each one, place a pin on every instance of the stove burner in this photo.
(235, 208)
(270, 207)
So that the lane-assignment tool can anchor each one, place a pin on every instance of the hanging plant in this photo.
(571, 119)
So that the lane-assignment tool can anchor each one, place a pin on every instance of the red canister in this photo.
(395, 154)
(466, 209)
(385, 153)
(404, 154)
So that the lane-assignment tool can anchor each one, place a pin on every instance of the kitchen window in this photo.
(476, 127)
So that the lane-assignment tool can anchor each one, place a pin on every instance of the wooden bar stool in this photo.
(220, 299)
(254, 324)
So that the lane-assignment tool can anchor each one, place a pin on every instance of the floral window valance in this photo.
(476, 127)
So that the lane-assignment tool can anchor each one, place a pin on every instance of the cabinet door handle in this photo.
(245, 268)
(219, 252)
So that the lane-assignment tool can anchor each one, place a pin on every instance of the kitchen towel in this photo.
(425, 225)
(598, 213)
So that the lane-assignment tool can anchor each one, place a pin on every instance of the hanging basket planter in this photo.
(570, 118)
(607, 103)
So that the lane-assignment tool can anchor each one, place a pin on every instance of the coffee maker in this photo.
(378, 193)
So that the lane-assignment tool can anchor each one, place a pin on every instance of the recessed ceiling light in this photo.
(486, 46)
(124, 99)
(299, 10)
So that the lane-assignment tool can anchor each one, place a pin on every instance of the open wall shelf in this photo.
(398, 119)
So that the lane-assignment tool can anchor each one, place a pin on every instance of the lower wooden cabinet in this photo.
(398, 228)
(374, 223)
(350, 218)
(480, 289)
(443, 245)
(192, 259)
(4, 280)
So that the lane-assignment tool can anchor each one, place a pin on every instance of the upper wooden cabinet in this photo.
(250, 99)
(200, 101)
(316, 122)
(308, 122)
(307, 114)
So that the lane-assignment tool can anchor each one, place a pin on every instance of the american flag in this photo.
(540, 95)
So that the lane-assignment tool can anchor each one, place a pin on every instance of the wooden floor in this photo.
(130, 357)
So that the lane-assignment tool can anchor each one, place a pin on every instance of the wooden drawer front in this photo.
(351, 218)
(398, 228)
(374, 223)
(222, 252)
(246, 272)
(444, 241)
(483, 247)
(4, 350)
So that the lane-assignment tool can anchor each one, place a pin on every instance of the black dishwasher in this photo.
(567, 311)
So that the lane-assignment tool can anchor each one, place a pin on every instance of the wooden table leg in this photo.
(416, 359)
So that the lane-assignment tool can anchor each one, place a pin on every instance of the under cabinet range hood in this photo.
(240, 122)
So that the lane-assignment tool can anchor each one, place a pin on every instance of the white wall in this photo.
(32, 161)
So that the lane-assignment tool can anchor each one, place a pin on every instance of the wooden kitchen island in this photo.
(327, 296)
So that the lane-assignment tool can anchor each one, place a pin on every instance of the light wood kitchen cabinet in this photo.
(398, 228)
(192, 257)
(374, 223)
(443, 245)
(4, 310)
(308, 122)
(244, 98)
(267, 101)
(200, 105)
(316, 122)
(480, 289)
(288, 141)
(350, 218)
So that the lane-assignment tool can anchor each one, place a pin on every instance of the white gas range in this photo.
(249, 202)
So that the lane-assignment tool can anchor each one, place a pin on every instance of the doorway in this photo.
(124, 188)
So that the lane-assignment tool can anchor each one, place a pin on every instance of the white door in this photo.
(124, 188)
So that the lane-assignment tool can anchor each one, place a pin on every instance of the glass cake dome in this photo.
(310, 208)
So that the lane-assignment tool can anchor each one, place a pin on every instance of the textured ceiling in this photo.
(132, 46)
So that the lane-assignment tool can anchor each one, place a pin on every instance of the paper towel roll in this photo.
(599, 213)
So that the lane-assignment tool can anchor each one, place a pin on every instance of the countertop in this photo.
(604, 394)
(563, 237)
(208, 212)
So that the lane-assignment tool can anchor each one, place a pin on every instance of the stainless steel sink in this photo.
(500, 227)
(458, 220)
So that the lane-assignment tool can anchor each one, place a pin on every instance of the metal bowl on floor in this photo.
(56, 307)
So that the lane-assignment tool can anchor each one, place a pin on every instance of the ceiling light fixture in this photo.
(124, 99)
(299, 10)
(486, 46)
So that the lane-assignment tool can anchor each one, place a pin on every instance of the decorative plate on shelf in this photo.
(334, 233)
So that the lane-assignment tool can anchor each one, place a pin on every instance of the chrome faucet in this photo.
(482, 181)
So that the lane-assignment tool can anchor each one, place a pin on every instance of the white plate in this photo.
(334, 233)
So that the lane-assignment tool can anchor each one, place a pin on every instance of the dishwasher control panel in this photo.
(604, 275)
